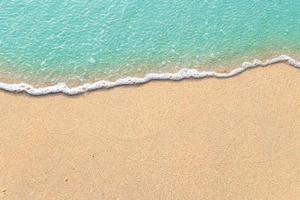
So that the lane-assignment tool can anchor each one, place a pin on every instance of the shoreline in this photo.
(182, 74)
(235, 138)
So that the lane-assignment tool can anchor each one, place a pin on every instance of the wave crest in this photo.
(181, 74)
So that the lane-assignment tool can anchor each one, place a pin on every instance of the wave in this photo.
(180, 75)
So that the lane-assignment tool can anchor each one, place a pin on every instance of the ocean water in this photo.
(45, 42)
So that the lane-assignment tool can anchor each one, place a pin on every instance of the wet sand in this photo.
(236, 138)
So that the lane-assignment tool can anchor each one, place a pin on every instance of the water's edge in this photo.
(180, 75)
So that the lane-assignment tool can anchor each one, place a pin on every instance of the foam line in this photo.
(181, 74)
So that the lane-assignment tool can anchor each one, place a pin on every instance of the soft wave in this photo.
(181, 74)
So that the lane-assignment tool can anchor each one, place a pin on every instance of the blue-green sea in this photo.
(53, 41)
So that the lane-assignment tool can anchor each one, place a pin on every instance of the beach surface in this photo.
(236, 138)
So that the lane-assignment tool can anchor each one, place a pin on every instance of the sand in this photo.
(236, 138)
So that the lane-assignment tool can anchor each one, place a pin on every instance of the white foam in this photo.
(181, 74)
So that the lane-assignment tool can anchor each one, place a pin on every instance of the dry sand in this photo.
(236, 138)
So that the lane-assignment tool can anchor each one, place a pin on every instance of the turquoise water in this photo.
(63, 40)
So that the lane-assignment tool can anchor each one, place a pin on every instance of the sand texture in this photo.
(236, 138)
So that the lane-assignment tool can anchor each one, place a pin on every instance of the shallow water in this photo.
(72, 40)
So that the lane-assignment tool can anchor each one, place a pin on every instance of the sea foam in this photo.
(180, 75)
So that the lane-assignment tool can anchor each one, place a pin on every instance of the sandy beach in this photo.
(236, 138)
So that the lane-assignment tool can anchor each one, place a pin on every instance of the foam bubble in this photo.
(181, 74)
